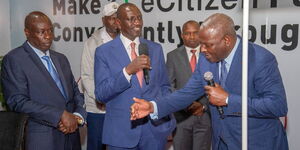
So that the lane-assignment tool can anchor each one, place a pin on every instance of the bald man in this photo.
(222, 56)
(39, 82)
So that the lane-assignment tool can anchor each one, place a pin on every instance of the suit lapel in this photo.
(150, 52)
(235, 73)
(120, 55)
(183, 58)
(59, 70)
(37, 61)
(44, 72)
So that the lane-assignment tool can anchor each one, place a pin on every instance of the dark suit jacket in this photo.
(29, 88)
(266, 101)
(113, 88)
(179, 71)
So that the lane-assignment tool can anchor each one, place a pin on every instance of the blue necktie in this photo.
(54, 75)
(223, 73)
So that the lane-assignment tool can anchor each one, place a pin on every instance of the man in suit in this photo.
(222, 55)
(95, 109)
(39, 82)
(119, 77)
(193, 130)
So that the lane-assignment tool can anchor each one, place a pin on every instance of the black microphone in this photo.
(143, 50)
(208, 77)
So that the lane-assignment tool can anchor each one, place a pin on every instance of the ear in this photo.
(118, 22)
(181, 35)
(27, 32)
(227, 40)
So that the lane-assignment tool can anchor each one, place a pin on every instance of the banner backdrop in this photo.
(273, 24)
(4, 27)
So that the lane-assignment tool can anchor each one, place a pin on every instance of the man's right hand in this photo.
(137, 64)
(140, 108)
(68, 123)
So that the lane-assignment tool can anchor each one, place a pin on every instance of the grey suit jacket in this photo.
(179, 71)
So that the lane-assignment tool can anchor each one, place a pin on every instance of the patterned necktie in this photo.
(223, 73)
(54, 75)
(139, 74)
(193, 60)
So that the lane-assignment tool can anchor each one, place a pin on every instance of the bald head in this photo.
(219, 24)
(35, 16)
(217, 37)
(125, 7)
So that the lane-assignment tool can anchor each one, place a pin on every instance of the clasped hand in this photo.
(68, 122)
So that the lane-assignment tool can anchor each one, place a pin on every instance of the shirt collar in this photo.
(126, 42)
(229, 58)
(188, 49)
(39, 52)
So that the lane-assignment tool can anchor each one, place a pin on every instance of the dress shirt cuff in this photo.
(127, 76)
(154, 115)
(226, 101)
(82, 121)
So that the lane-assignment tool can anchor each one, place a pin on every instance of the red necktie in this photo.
(193, 61)
(139, 74)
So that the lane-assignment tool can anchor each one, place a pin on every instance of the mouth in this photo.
(137, 29)
(47, 44)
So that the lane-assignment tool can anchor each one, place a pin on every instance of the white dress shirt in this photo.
(189, 53)
(126, 42)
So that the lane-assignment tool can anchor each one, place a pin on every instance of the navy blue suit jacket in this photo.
(266, 101)
(29, 88)
(113, 89)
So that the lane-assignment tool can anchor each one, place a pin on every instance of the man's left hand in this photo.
(196, 109)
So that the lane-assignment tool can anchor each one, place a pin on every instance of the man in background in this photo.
(222, 56)
(96, 109)
(119, 77)
(39, 82)
(193, 130)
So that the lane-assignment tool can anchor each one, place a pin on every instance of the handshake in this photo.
(69, 122)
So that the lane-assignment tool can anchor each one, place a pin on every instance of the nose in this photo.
(48, 35)
(137, 21)
(192, 36)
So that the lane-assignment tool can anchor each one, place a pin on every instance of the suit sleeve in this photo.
(182, 98)
(17, 95)
(107, 84)
(270, 100)
(77, 96)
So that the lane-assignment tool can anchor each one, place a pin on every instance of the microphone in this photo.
(208, 77)
(143, 50)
